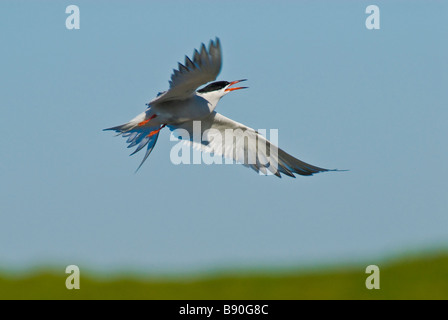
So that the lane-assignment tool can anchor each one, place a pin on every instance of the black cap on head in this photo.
(214, 86)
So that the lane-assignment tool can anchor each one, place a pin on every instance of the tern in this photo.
(183, 104)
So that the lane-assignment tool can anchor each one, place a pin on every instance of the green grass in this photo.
(411, 278)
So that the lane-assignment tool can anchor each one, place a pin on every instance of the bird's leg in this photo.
(147, 120)
(156, 131)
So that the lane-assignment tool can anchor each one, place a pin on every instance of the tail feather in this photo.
(138, 136)
(121, 129)
(151, 144)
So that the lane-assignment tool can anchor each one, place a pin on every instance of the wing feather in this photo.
(204, 68)
(247, 147)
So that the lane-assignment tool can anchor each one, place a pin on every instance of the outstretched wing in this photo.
(244, 145)
(204, 68)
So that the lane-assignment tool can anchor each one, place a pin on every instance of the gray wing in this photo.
(244, 145)
(204, 67)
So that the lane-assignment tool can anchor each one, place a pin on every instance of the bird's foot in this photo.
(156, 131)
(147, 120)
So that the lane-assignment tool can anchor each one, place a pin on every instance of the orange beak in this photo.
(236, 88)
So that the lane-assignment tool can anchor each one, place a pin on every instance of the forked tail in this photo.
(139, 136)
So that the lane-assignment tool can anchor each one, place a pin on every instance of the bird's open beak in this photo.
(236, 88)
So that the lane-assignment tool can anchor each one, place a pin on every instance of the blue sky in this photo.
(341, 96)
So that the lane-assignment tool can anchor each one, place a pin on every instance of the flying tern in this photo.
(183, 104)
